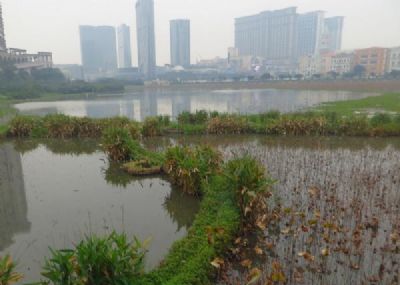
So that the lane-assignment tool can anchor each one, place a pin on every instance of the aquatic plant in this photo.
(189, 167)
(8, 275)
(22, 126)
(152, 127)
(197, 118)
(119, 145)
(142, 167)
(228, 124)
(252, 188)
(102, 261)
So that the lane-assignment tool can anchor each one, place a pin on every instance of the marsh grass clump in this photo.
(189, 167)
(252, 188)
(23, 126)
(119, 145)
(102, 261)
(197, 118)
(60, 126)
(228, 124)
(298, 126)
(121, 122)
(8, 275)
(153, 126)
(142, 167)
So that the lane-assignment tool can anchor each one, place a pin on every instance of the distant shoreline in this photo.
(380, 86)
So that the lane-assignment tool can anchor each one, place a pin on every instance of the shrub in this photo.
(119, 145)
(22, 126)
(152, 127)
(354, 126)
(380, 119)
(228, 124)
(101, 261)
(298, 126)
(247, 177)
(189, 167)
(121, 122)
(200, 117)
(60, 126)
(7, 274)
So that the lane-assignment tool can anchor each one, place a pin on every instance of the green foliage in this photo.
(380, 119)
(247, 177)
(213, 231)
(200, 117)
(189, 167)
(152, 127)
(119, 145)
(8, 275)
(101, 261)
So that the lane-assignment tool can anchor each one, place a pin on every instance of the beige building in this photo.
(342, 62)
(373, 59)
(393, 62)
(309, 65)
(26, 61)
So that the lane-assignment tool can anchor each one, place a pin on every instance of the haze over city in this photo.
(53, 24)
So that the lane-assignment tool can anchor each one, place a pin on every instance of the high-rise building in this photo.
(124, 46)
(333, 31)
(98, 50)
(310, 27)
(270, 34)
(3, 46)
(146, 38)
(283, 36)
(180, 42)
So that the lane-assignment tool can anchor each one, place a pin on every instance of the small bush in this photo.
(152, 127)
(119, 145)
(22, 126)
(7, 274)
(228, 124)
(247, 177)
(298, 126)
(354, 126)
(380, 119)
(101, 261)
(189, 167)
(200, 117)
(60, 126)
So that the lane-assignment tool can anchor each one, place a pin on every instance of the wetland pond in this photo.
(55, 193)
(140, 105)
(336, 205)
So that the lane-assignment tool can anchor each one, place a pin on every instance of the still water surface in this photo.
(138, 106)
(52, 195)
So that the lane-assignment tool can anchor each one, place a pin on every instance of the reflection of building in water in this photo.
(13, 205)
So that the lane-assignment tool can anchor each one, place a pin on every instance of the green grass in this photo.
(389, 102)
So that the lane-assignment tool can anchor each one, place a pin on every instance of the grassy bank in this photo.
(389, 102)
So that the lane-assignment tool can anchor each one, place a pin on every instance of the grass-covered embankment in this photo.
(336, 119)
(389, 102)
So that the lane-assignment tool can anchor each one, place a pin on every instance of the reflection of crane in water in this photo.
(13, 204)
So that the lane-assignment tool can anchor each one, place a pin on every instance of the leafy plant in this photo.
(189, 167)
(97, 261)
(8, 275)
(152, 127)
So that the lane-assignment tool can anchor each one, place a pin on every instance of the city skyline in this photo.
(66, 49)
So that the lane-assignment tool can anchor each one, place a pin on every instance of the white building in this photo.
(342, 62)
(394, 59)
(333, 32)
(124, 46)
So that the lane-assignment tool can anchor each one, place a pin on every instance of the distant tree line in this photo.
(20, 84)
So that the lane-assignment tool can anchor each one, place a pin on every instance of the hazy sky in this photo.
(52, 25)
